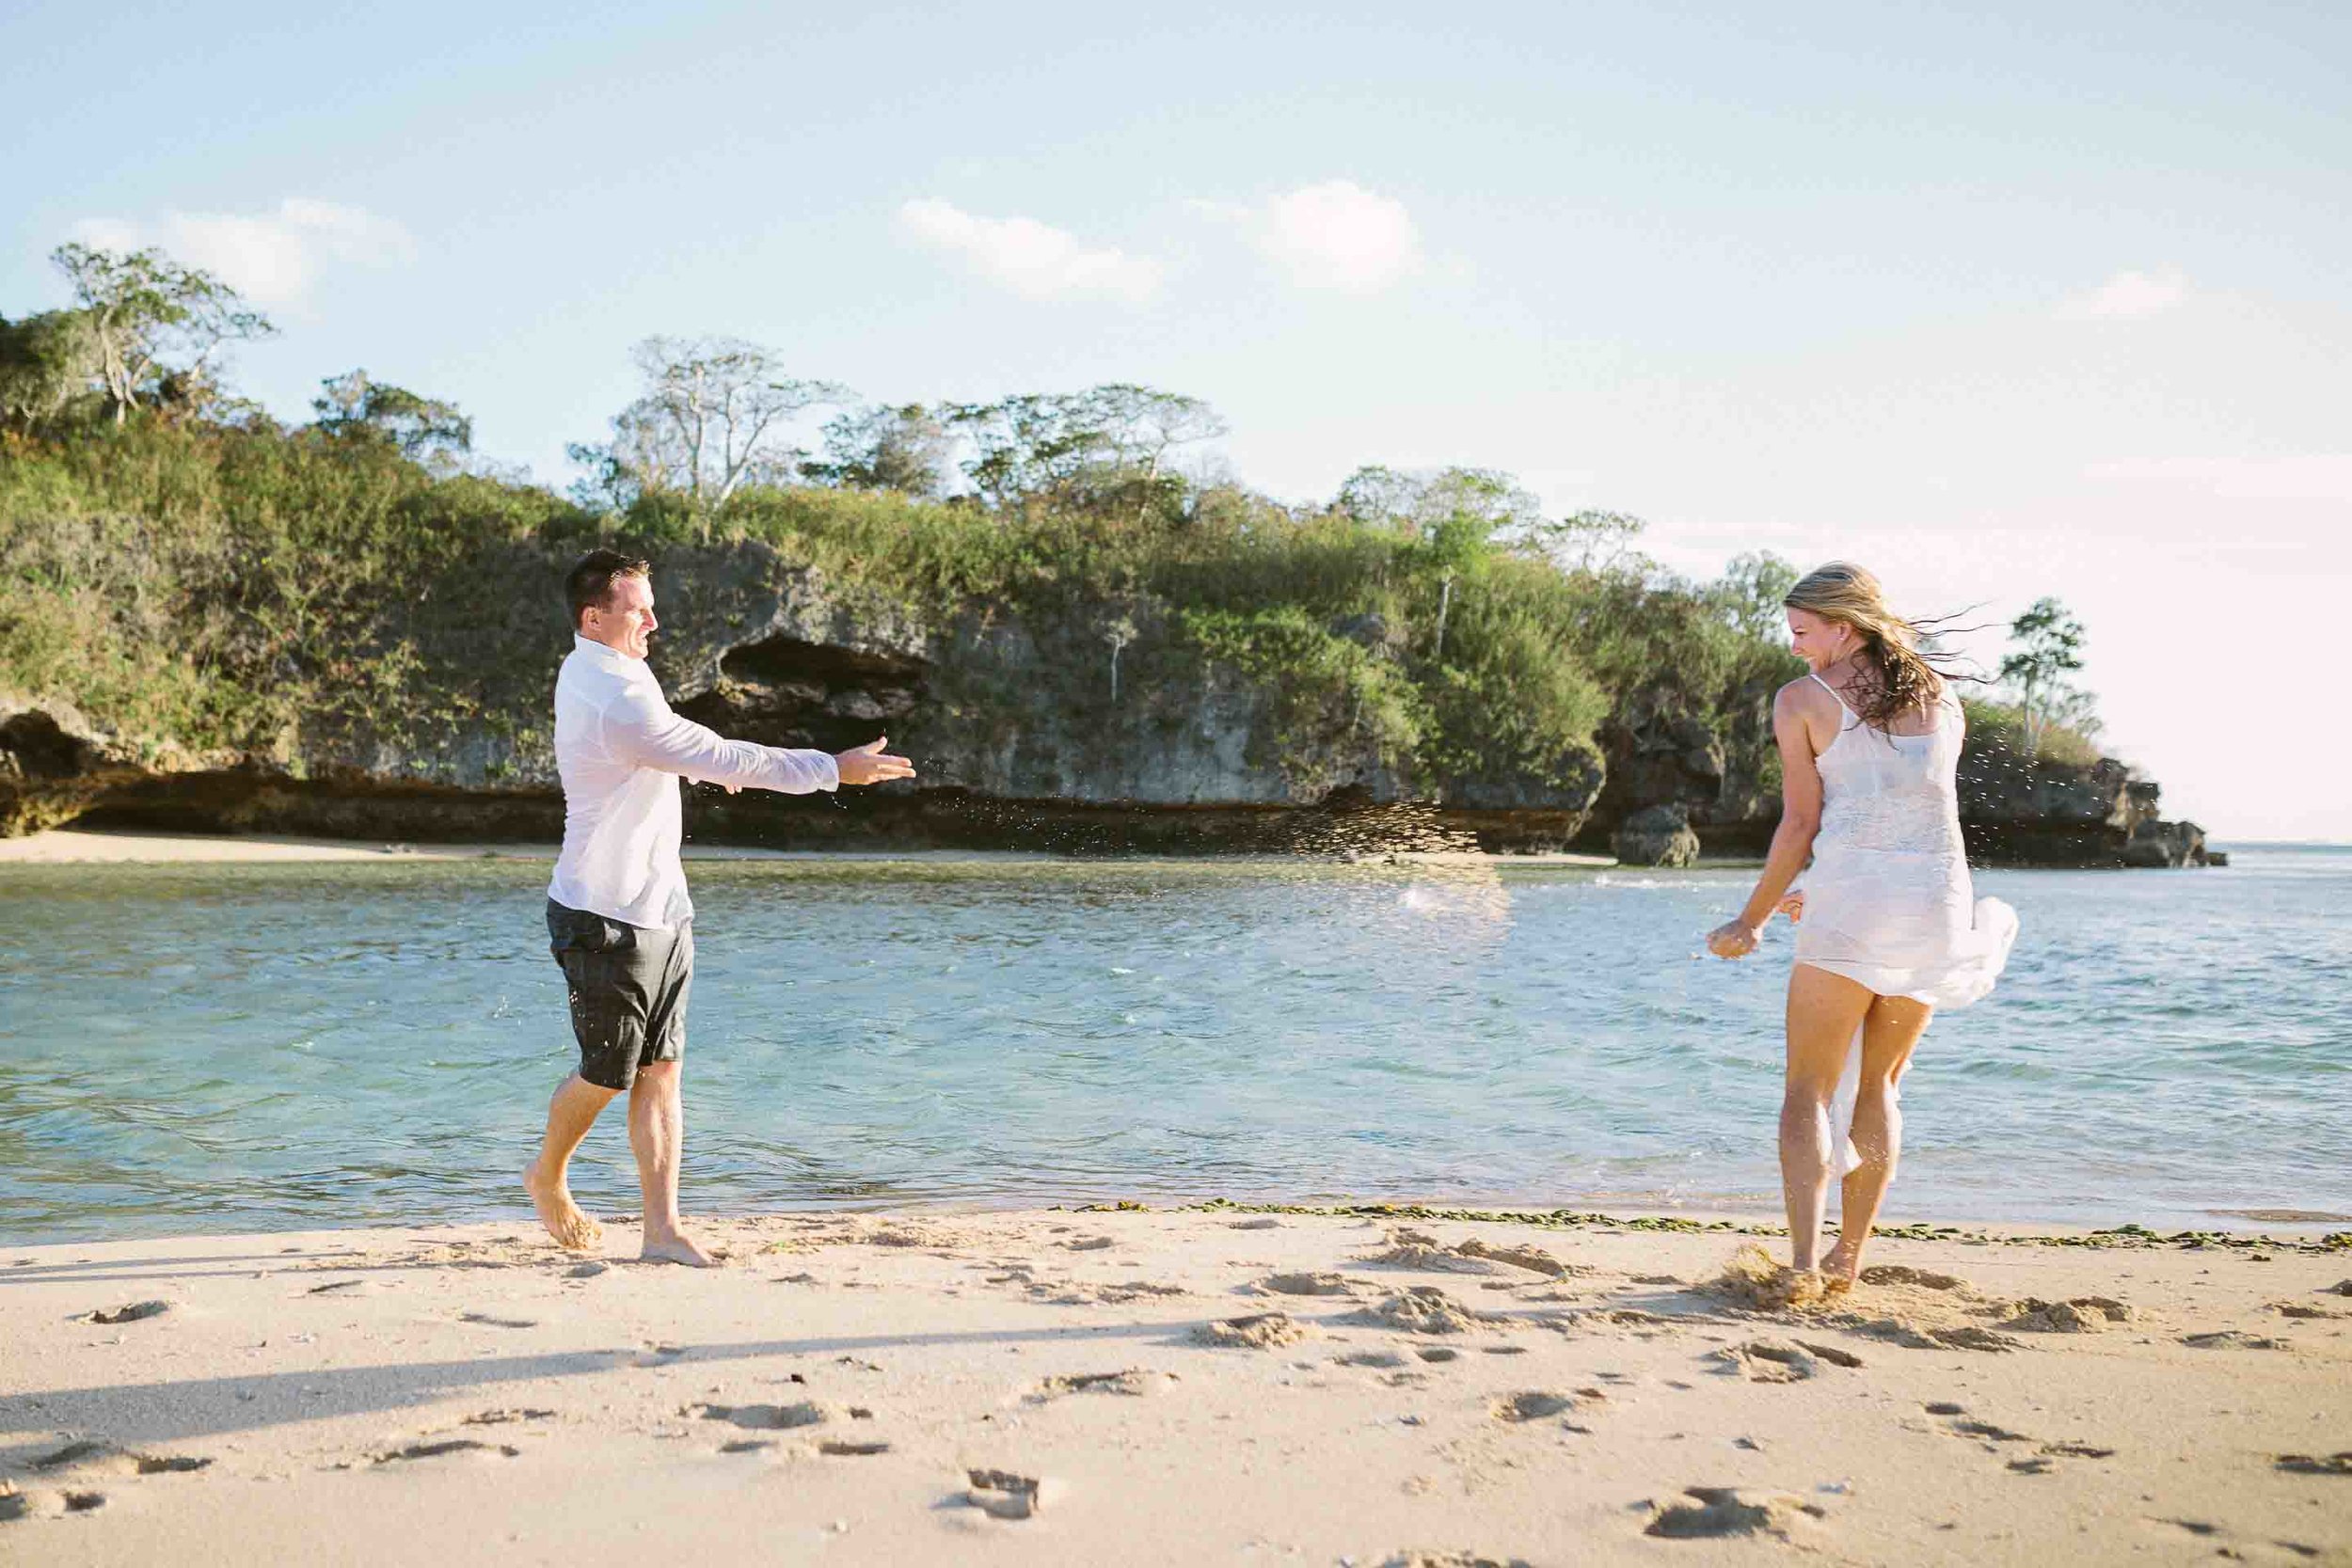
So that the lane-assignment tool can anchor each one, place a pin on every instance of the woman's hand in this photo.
(1792, 906)
(1732, 940)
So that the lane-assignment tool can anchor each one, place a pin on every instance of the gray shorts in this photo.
(628, 986)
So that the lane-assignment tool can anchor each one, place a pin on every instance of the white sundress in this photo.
(1888, 902)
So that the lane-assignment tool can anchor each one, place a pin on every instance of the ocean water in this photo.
(218, 1048)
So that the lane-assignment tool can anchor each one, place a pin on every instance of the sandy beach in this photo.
(1178, 1386)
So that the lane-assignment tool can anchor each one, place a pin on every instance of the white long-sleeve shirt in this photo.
(621, 752)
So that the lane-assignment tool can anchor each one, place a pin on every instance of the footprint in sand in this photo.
(495, 1322)
(2077, 1315)
(2315, 1465)
(1418, 1249)
(1091, 1244)
(1992, 1435)
(442, 1448)
(1002, 1495)
(769, 1418)
(1262, 1222)
(136, 1311)
(1304, 1284)
(44, 1504)
(2231, 1338)
(842, 1447)
(1782, 1360)
(1723, 1511)
(501, 1417)
(1383, 1359)
(98, 1457)
(1133, 1380)
(341, 1287)
(1911, 1335)
(1926, 1279)
(1451, 1560)
(1421, 1310)
(1766, 1361)
(1531, 1404)
(1257, 1331)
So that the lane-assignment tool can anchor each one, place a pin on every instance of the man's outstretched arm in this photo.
(646, 731)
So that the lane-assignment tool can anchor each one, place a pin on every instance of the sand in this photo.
(1180, 1386)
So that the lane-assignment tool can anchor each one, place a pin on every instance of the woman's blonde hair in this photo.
(1896, 677)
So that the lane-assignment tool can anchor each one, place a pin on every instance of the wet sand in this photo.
(1178, 1386)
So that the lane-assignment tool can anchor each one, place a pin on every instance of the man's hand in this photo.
(870, 764)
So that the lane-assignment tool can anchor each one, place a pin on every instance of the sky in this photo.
(2002, 301)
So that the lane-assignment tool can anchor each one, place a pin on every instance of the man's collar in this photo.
(605, 653)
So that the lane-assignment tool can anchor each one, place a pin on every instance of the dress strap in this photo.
(1825, 686)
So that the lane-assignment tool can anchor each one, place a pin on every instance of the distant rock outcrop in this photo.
(1656, 836)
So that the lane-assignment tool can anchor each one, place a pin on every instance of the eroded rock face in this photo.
(1031, 732)
(1025, 735)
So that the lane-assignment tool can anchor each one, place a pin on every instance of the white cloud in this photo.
(2311, 476)
(1032, 258)
(272, 257)
(2128, 295)
(1334, 235)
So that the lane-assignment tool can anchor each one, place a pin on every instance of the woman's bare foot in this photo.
(675, 1247)
(573, 1230)
(1841, 1268)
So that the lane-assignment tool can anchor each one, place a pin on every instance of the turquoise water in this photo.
(215, 1048)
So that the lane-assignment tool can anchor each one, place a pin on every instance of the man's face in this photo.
(623, 622)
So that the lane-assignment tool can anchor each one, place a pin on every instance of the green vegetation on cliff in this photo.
(192, 575)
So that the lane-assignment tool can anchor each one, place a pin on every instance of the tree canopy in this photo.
(153, 321)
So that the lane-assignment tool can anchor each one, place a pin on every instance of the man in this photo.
(618, 917)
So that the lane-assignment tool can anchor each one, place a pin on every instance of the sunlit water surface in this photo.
(223, 1048)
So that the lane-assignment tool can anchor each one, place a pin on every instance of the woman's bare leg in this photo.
(1889, 1032)
(1824, 1010)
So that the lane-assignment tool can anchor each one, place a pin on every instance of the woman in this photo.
(1887, 932)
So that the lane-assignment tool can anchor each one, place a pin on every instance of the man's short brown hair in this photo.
(589, 583)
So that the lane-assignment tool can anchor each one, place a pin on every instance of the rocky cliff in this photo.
(1031, 731)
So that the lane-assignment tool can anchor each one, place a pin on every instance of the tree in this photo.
(153, 318)
(1589, 541)
(711, 420)
(1455, 515)
(1099, 444)
(2049, 644)
(48, 362)
(1751, 592)
(1119, 633)
(426, 430)
(904, 449)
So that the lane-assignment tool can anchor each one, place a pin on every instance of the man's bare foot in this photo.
(573, 1230)
(675, 1247)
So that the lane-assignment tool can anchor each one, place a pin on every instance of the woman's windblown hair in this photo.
(1897, 676)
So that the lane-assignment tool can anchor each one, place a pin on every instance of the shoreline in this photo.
(111, 846)
(1068, 1385)
(2315, 1233)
